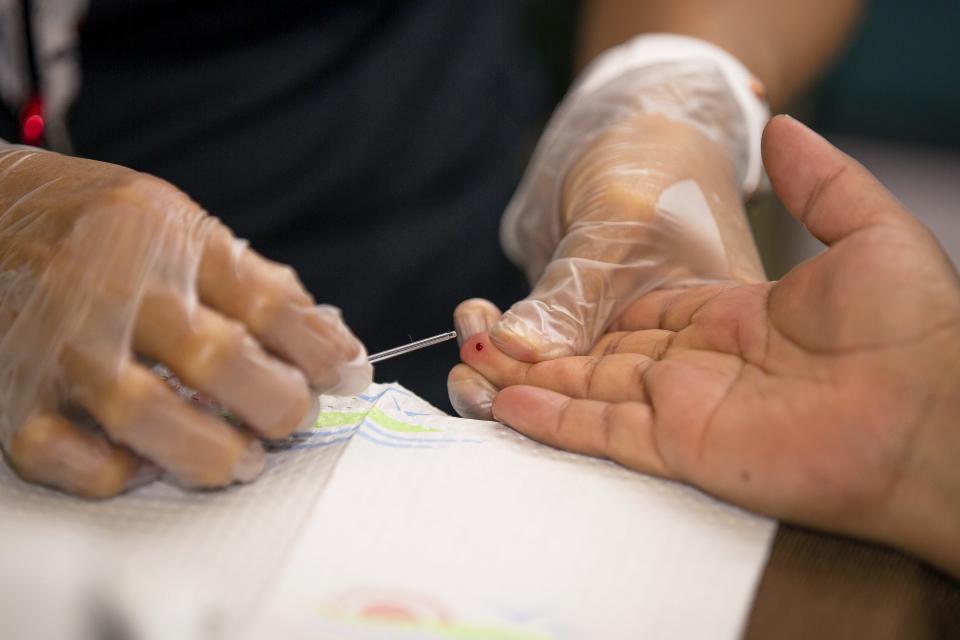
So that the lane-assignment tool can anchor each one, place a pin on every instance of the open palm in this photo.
(814, 399)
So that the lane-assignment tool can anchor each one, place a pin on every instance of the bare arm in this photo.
(785, 44)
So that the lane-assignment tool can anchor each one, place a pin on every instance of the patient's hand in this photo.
(829, 398)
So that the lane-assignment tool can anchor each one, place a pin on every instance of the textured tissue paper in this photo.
(388, 519)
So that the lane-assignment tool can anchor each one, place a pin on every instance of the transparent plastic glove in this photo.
(105, 271)
(638, 183)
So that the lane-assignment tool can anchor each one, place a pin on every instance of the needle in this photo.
(413, 346)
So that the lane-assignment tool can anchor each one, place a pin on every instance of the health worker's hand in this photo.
(105, 271)
(637, 184)
(829, 398)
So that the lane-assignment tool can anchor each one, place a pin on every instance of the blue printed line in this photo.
(372, 399)
(317, 445)
(322, 432)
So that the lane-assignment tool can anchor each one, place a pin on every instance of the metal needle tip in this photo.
(413, 346)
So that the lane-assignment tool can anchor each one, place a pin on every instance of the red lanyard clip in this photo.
(32, 121)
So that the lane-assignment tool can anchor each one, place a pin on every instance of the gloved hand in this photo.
(638, 183)
(104, 271)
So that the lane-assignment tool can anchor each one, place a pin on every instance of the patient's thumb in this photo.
(832, 194)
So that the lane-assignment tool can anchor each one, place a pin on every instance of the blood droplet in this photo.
(479, 346)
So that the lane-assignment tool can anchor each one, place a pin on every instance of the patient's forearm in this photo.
(785, 44)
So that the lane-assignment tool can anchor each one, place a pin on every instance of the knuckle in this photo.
(275, 278)
(50, 451)
(565, 425)
(590, 377)
(637, 378)
(153, 199)
(609, 425)
(606, 189)
(123, 397)
(36, 436)
(143, 185)
(662, 347)
(207, 351)
(614, 344)
(265, 306)
(201, 450)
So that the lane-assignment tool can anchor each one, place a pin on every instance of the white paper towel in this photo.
(392, 520)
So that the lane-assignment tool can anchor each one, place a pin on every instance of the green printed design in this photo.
(337, 419)
(346, 418)
(385, 421)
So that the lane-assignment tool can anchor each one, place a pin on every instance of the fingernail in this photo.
(787, 116)
(144, 475)
(310, 418)
(472, 398)
(251, 463)
(468, 325)
(354, 377)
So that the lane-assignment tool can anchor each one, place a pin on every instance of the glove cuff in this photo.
(656, 48)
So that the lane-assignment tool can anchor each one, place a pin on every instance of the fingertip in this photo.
(500, 369)
(310, 417)
(331, 322)
(320, 343)
(474, 316)
(145, 474)
(251, 462)
(783, 126)
(779, 123)
(777, 142)
(470, 393)
(354, 376)
(825, 189)
(481, 351)
(473, 346)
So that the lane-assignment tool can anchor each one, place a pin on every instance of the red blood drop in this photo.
(479, 346)
(31, 121)
(33, 128)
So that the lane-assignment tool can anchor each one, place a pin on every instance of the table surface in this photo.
(821, 586)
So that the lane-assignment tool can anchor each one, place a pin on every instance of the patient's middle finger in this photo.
(615, 378)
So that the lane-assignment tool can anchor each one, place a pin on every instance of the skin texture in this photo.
(827, 398)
